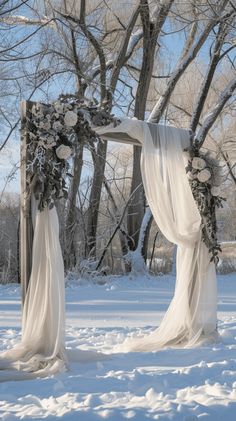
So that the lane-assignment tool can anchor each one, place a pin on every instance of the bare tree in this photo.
(119, 58)
(223, 17)
(151, 26)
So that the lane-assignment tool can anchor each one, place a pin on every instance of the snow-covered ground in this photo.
(183, 384)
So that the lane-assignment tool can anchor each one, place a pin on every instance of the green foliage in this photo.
(52, 132)
(207, 196)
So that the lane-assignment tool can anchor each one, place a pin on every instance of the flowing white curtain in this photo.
(41, 351)
(42, 348)
(191, 316)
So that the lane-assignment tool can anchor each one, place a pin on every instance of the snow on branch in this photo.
(181, 67)
(96, 69)
(157, 10)
(215, 112)
(206, 84)
(81, 21)
(134, 39)
(122, 55)
(23, 20)
(184, 62)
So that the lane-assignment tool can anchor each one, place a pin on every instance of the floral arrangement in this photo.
(52, 130)
(205, 179)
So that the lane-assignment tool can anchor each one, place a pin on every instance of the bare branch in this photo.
(18, 121)
(23, 20)
(132, 67)
(151, 31)
(117, 227)
(122, 58)
(95, 43)
(215, 112)
(23, 40)
(183, 64)
(12, 9)
(204, 89)
(79, 74)
(190, 39)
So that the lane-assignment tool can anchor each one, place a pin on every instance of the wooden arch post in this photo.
(26, 227)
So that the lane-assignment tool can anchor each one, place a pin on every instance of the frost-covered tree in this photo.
(132, 59)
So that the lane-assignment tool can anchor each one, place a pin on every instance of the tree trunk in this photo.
(70, 254)
(146, 238)
(95, 195)
(151, 31)
(123, 236)
(137, 206)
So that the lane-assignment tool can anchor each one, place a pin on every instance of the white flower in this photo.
(215, 191)
(57, 126)
(47, 125)
(204, 175)
(70, 118)
(217, 180)
(63, 152)
(198, 163)
(59, 107)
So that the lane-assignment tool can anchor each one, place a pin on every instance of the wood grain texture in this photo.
(26, 228)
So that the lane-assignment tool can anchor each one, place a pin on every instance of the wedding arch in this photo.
(180, 186)
(29, 118)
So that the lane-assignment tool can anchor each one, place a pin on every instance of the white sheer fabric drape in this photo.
(41, 351)
(42, 348)
(191, 316)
